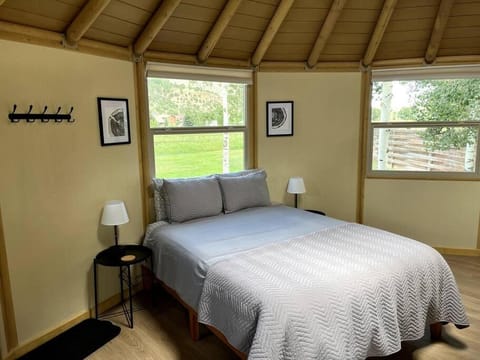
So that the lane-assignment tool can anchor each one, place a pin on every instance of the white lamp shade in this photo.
(296, 185)
(114, 213)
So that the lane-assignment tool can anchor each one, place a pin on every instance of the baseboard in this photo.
(105, 305)
(456, 251)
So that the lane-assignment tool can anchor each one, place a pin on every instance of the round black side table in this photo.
(121, 256)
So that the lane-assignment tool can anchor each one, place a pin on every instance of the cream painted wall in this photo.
(439, 213)
(324, 147)
(55, 178)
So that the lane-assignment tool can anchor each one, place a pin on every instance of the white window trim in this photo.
(435, 72)
(186, 72)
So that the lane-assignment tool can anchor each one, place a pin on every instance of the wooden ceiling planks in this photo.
(46, 14)
(202, 31)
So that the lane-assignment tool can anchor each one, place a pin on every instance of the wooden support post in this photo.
(438, 30)
(154, 26)
(327, 28)
(271, 31)
(83, 21)
(218, 29)
(383, 20)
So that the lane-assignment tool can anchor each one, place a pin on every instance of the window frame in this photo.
(440, 72)
(185, 72)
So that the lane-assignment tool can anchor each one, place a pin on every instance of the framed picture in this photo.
(114, 121)
(279, 118)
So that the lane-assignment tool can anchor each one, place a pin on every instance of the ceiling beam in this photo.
(154, 26)
(438, 30)
(271, 31)
(327, 28)
(218, 29)
(376, 39)
(83, 21)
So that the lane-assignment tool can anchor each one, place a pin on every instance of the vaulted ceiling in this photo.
(245, 33)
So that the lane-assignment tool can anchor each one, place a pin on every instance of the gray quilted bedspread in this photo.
(346, 292)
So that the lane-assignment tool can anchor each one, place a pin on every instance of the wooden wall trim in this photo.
(478, 233)
(457, 251)
(253, 124)
(6, 300)
(30, 35)
(105, 305)
(143, 140)
(362, 146)
(296, 66)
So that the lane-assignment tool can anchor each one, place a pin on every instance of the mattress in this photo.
(184, 252)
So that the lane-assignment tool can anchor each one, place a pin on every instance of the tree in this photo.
(450, 100)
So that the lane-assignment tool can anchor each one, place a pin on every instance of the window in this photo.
(425, 124)
(198, 120)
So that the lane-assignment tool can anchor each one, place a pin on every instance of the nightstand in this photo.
(121, 256)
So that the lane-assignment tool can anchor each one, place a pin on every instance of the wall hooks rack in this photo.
(43, 116)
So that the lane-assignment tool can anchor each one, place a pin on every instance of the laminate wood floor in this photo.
(162, 332)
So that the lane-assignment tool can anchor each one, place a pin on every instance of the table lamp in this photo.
(115, 213)
(296, 186)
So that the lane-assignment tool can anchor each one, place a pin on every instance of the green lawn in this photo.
(189, 155)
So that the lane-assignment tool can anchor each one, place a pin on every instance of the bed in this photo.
(277, 282)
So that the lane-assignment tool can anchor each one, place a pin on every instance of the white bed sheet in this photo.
(184, 252)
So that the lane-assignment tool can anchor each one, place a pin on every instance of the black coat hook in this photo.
(44, 118)
(12, 116)
(57, 119)
(69, 116)
(28, 118)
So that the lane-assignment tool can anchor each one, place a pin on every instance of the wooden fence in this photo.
(406, 151)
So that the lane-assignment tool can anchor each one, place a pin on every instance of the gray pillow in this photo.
(192, 198)
(244, 191)
(159, 200)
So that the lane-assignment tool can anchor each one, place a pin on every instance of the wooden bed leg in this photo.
(193, 325)
(435, 331)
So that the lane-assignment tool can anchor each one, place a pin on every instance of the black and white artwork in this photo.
(114, 121)
(279, 118)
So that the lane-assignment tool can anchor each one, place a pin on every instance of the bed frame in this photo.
(194, 325)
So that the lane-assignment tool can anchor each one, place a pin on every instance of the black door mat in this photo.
(77, 342)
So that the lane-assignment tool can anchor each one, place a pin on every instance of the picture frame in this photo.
(114, 121)
(279, 118)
